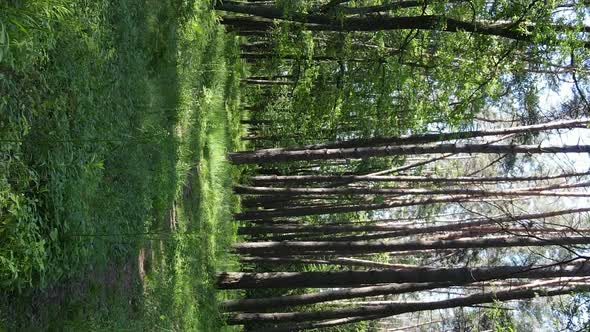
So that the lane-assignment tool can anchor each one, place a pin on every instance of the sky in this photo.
(578, 162)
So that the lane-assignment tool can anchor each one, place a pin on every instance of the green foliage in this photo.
(494, 318)
(28, 29)
(387, 82)
(571, 314)
(27, 33)
(180, 291)
(106, 109)
(23, 248)
(74, 142)
(499, 318)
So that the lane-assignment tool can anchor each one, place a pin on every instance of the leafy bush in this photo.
(27, 33)
(27, 29)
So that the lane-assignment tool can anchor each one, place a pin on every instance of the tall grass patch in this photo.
(182, 283)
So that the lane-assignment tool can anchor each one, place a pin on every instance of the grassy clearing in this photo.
(202, 214)
(114, 121)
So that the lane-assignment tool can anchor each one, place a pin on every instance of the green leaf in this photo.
(53, 234)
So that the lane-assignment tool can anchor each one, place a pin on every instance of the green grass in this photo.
(115, 117)
(183, 286)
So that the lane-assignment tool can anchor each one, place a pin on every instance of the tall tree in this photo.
(237, 280)
(405, 230)
(399, 308)
(395, 150)
(278, 248)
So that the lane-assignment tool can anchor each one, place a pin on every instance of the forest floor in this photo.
(115, 197)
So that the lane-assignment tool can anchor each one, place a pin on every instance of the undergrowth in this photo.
(113, 115)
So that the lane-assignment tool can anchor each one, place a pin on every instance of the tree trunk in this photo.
(530, 191)
(255, 157)
(242, 23)
(266, 82)
(334, 261)
(440, 137)
(317, 325)
(271, 55)
(394, 5)
(371, 247)
(331, 295)
(400, 308)
(309, 211)
(402, 230)
(509, 30)
(301, 179)
(239, 280)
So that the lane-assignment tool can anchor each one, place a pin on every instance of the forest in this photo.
(295, 165)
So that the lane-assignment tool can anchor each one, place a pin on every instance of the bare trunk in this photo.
(370, 247)
(407, 230)
(440, 137)
(239, 280)
(308, 211)
(300, 179)
(331, 295)
(334, 261)
(525, 191)
(266, 82)
(255, 157)
(400, 308)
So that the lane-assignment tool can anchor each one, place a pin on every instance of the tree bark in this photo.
(385, 22)
(266, 81)
(402, 230)
(400, 308)
(394, 5)
(311, 210)
(255, 157)
(317, 325)
(331, 295)
(282, 248)
(240, 280)
(530, 191)
(333, 261)
(440, 137)
(271, 55)
(243, 23)
(301, 179)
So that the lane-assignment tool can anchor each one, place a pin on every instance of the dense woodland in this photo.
(292, 165)
(412, 165)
